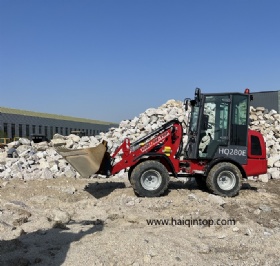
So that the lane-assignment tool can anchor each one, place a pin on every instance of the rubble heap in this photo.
(268, 123)
(40, 160)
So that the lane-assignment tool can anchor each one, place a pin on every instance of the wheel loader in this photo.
(220, 152)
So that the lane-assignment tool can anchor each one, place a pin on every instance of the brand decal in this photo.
(155, 141)
(232, 152)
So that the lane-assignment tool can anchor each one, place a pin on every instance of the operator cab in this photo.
(218, 126)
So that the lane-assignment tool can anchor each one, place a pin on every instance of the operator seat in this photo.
(211, 148)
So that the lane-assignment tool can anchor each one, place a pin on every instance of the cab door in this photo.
(214, 132)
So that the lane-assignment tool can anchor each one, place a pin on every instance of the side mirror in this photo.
(186, 103)
(197, 94)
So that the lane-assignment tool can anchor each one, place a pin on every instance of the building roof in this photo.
(257, 92)
(52, 116)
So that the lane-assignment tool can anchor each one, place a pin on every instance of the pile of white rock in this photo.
(40, 160)
(268, 123)
(148, 121)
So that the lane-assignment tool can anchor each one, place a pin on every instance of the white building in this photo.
(21, 123)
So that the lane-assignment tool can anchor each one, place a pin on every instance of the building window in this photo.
(27, 131)
(51, 132)
(66, 131)
(5, 130)
(56, 129)
(94, 132)
(20, 130)
(61, 130)
(86, 132)
(40, 129)
(13, 130)
(46, 131)
(33, 129)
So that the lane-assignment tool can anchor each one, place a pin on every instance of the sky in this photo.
(110, 60)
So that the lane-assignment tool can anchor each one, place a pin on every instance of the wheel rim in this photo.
(226, 180)
(151, 180)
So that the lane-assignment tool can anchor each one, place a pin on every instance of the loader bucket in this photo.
(85, 161)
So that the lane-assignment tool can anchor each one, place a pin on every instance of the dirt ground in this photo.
(101, 222)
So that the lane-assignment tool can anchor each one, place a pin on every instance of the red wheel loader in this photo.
(220, 152)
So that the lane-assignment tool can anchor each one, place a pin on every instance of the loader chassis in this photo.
(220, 151)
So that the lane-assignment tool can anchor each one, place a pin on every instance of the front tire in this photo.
(149, 179)
(224, 179)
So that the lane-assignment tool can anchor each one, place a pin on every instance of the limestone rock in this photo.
(264, 178)
(59, 216)
(58, 142)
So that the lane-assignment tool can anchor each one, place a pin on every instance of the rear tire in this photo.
(149, 179)
(224, 179)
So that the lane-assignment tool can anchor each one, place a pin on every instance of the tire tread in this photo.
(139, 169)
(211, 180)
